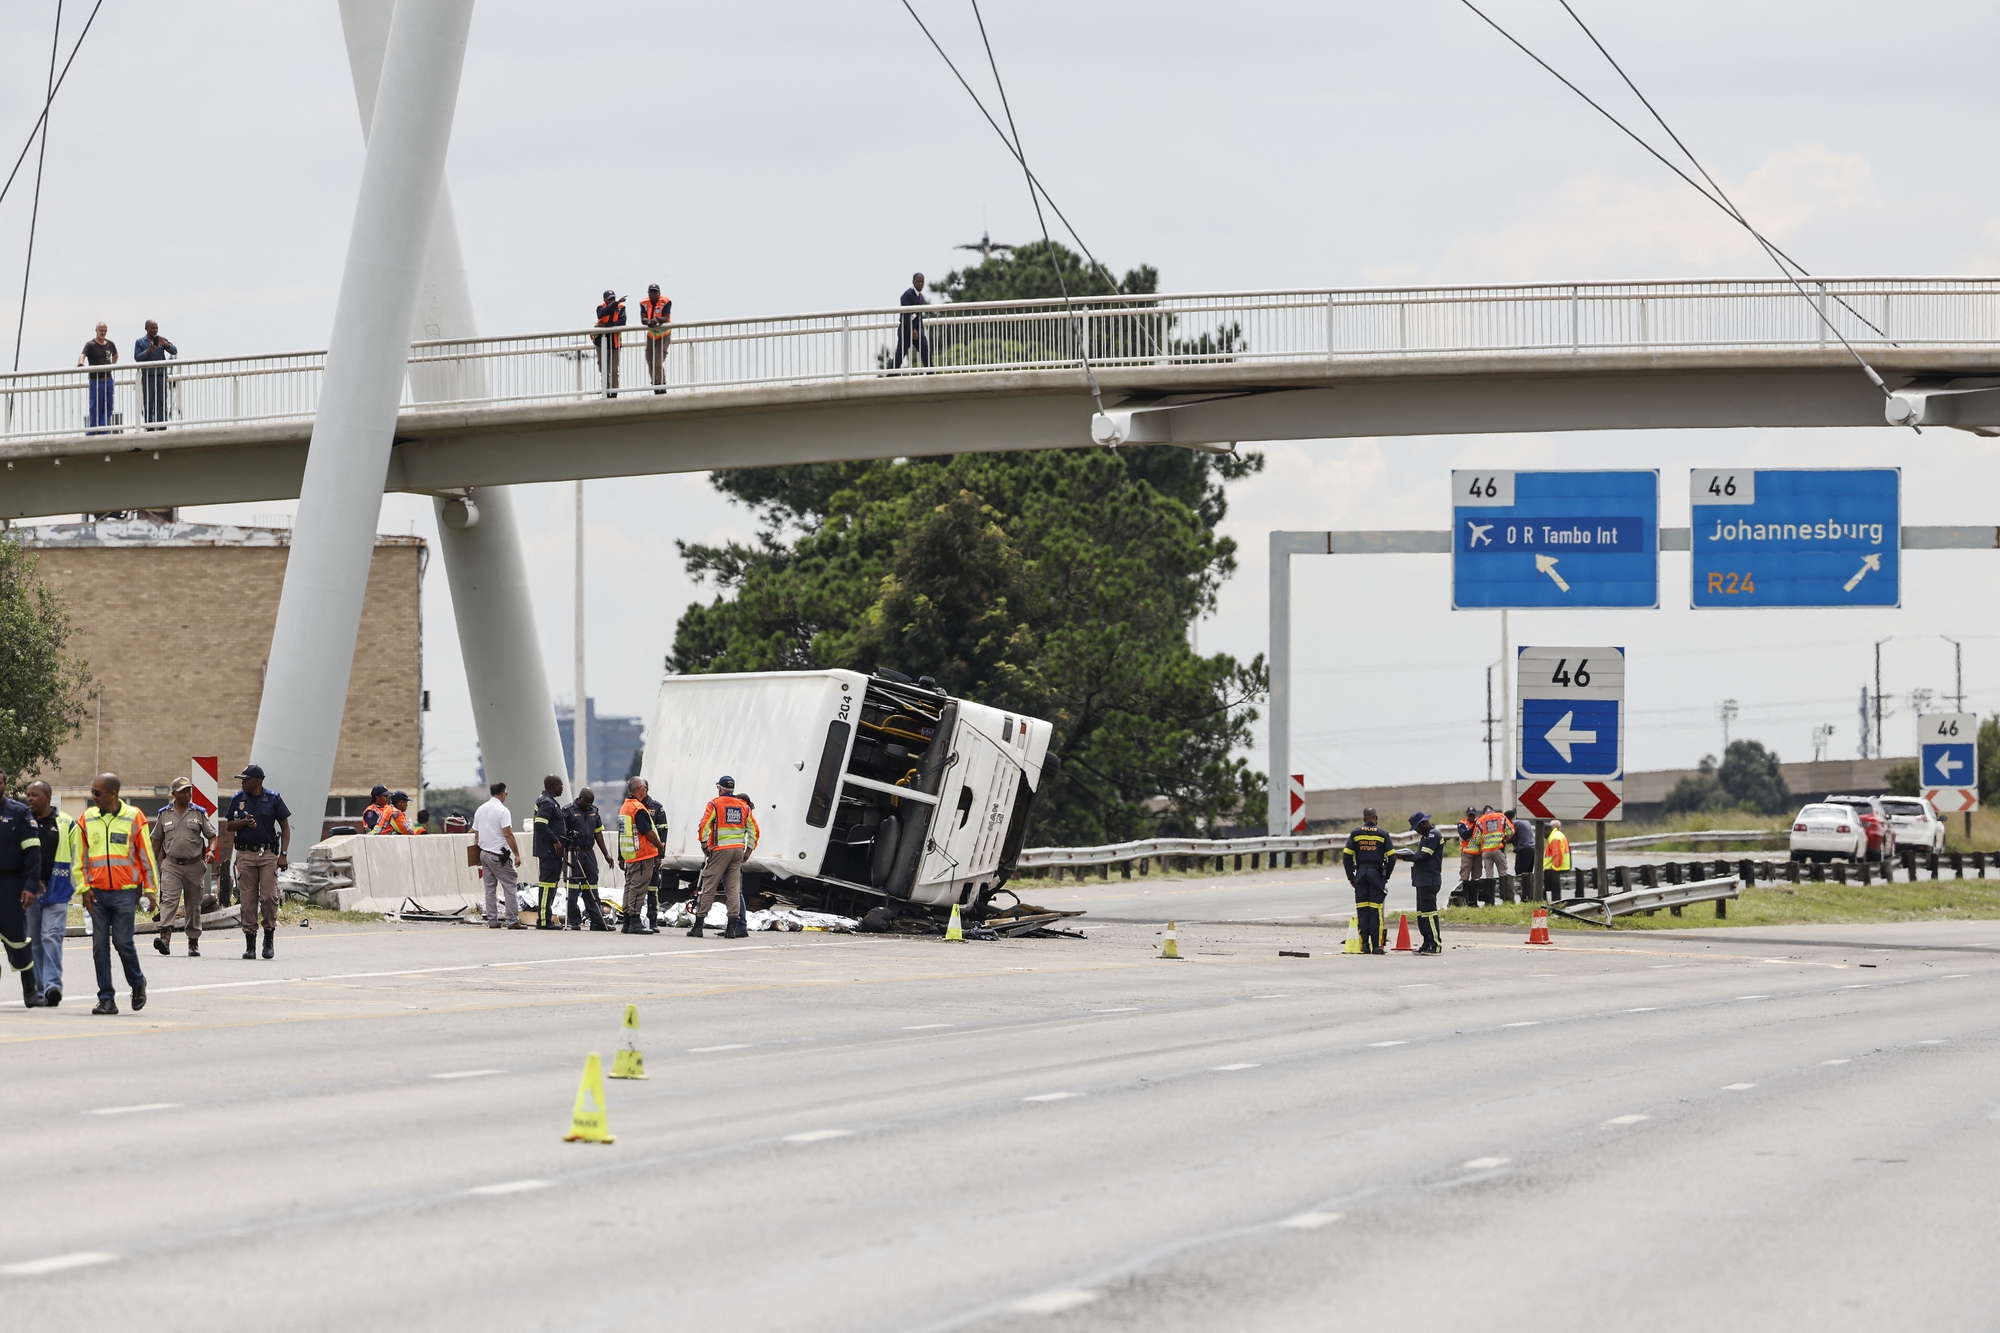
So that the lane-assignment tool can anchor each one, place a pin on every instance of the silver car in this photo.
(1825, 832)
(1915, 822)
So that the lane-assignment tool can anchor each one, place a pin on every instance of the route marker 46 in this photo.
(1570, 749)
(1948, 761)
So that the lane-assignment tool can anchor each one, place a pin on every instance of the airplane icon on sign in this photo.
(1479, 531)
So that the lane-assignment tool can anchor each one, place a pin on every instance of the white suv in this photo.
(1915, 822)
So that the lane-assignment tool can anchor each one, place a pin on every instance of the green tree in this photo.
(1902, 778)
(1750, 775)
(1697, 792)
(1989, 759)
(42, 685)
(1060, 584)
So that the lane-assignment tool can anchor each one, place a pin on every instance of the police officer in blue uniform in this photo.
(551, 846)
(1426, 877)
(20, 882)
(1369, 859)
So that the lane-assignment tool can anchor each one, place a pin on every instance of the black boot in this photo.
(1427, 924)
(163, 943)
(31, 994)
(694, 931)
(735, 930)
(268, 933)
(249, 944)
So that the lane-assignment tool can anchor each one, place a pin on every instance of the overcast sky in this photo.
(761, 158)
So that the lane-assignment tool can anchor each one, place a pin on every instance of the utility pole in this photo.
(1506, 717)
(1727, 712)
(1822, 734)
(1878, 694)
(1490, 720)
(1957, 672)
(1862, 750)
(579, 722)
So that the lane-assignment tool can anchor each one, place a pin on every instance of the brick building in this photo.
(175, 620)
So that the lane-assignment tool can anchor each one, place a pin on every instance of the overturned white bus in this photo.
(866, 788)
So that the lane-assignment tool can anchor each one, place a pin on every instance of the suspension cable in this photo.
(1011, 151)
(1083, 330)
(35, 212)
(51, 98)
(1776, 255)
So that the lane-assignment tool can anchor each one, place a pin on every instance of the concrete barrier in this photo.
(383, 872)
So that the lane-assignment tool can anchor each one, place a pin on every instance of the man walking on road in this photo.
(493, 830)
(117, 866)
(181, 837)
(1369, 860)
(48, 915)
(262, 825)
(20, 884)
(728, 835)
(639, 849)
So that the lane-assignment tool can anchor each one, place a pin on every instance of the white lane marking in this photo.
(1531, 975)
(1377, 1045)
(1859, 985)
(128, 1110)
(1656, 967)
(511, 1187)
(925, 1027)
(1738, 1087)
(1753, 997)
(1955, 976)
(1625, 1119)
(1934, 1041)
(1486, 1163)
(1529, 1023)
(1645, 1009)
(1052, 1097)
(470, 1073)
(1834, 1062)
(1224, 1069)
(1272, 997)
(1413, 985)
(709, 1050)
(57, 1263)
(819, 1135)
(1310, 1221)
(1054, 1302)
(1129, 1009)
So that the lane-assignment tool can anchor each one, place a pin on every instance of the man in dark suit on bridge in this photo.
(910, 335)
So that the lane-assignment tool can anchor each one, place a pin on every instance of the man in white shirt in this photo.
(493, 830)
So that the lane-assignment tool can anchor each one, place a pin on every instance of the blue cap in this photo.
(252, 771)
(1418, 818)
(399, 796)
(379, 790)
(726, 781)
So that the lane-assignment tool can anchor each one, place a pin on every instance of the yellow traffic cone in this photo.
(587, 1121)
(1353, 944)
(1170, 947)
(952, 931)
(628, 1063)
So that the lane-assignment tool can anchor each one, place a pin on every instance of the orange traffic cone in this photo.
(1403, 933)
(1538, 930)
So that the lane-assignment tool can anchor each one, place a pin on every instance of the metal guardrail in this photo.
(1704, 835)
(1035, 858)
(972, 338)
(1627, 901)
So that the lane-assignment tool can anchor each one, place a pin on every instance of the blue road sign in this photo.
(1569, 738)
(1535, 539)
(1797, 537)
(1949, 766)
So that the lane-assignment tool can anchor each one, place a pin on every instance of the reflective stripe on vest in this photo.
(727, 822)
(107, 845)
(1556, 855)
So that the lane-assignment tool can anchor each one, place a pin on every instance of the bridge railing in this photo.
(1329, 325)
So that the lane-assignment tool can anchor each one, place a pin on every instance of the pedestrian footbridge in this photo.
(1201, 370)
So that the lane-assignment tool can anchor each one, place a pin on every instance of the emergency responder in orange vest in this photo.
(395, 816)
(117, 865)
(656, 312)
(1555, 853)
(611, 314)
(378, 803)
(1468, 847)
(728, 834)
(639, 850)
(1495, 833)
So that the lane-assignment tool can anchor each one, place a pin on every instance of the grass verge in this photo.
(1788, 905)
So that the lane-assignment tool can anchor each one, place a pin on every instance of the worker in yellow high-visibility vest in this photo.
(1555, 854)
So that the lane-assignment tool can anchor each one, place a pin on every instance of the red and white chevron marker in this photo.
(1572, 798)
(1297, 793)
(1953, 800)
(207, 781)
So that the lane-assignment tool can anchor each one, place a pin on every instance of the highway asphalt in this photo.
(1770, 1129)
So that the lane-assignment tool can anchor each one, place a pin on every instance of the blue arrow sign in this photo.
(1536, 539)
(1797, 537)
(1572, 738)
(1949, 766)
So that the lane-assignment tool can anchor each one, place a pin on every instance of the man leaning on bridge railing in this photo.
(99, 351)
(153, 383)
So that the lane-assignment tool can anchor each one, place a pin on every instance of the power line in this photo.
(1776, 255)
(51, 98)
(35, 212)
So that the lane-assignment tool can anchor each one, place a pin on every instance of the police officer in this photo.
(1369, 860)
(20, 883)
(262, 823)
(656, 312)
(586, 842)
(181, 837)
(728, 833)
(551, 845)
(639, 850)
(610, 315)
(1426, 877)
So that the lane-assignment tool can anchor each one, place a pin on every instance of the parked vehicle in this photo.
(866, 788)
(1875, 821)
(1824, 832)
(1915, 821)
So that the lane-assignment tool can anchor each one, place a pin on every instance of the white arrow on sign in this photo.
(1560, 737)
(1868, 562)
(1946, 765)
(1546, 564)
